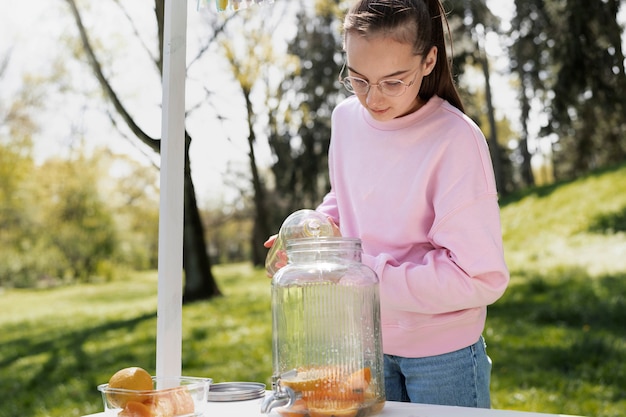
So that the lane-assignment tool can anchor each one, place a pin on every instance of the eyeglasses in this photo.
(359, 86)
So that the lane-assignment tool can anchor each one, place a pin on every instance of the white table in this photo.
(252, 408)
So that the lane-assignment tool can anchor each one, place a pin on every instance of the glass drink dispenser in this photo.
(327, 349)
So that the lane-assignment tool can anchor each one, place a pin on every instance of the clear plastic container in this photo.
(327, 350)
(184, 396)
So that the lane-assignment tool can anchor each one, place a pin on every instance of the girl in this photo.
(411, 176)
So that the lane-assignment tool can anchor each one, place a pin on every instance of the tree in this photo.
(73, 215)
(570, 62)
(300, 122)
(589, 104)
(529, 60)
(133, 198)
(199, 281)
(17, 166)
(246, 69)
(472, 20)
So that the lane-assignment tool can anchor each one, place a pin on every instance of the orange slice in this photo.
(338, 409)
(358, 381)
(182, 401)
(135, 409)
(307, 380)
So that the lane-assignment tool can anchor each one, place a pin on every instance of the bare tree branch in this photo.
(131, 141)
(153, 143)
(219, 29)
(159, 12)
(138, 36)
(4, 62)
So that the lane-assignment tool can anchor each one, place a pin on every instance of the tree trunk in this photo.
(494, 149)
(199, 281)
(527, 175)
(260, 232)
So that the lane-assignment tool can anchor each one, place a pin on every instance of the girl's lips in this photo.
(378, 111)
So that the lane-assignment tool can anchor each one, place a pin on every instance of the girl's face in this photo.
(378, 59)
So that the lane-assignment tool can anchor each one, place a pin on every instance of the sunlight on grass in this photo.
(558, 346)
(553, 226)
(556, 340)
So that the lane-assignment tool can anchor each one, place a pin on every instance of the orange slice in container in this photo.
(359, 380)
(335, 409)
(136, 409)
(307, 380)
(181, 401)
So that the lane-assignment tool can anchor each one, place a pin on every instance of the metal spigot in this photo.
(281, 397)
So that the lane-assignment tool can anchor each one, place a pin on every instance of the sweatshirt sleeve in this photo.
(329, 206)
(464, 268)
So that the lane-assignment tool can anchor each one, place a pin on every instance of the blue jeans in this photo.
(459, 378)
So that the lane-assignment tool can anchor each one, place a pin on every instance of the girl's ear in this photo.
(430, 60)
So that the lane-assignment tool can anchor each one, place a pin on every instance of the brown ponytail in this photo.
(440, 81)
(419, 22)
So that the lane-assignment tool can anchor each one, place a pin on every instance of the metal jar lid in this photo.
(236, 391)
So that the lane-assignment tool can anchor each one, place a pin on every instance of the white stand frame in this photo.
(171, 215)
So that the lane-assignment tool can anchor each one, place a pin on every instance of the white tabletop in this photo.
(392, 409)
(252, 408)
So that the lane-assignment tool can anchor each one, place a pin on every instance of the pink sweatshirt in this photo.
(419, 191)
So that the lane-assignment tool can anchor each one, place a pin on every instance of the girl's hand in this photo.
(336, 231)
(280, 257)
(270, 242)
(281, 261)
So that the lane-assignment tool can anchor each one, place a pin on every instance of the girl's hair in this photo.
(418, 22)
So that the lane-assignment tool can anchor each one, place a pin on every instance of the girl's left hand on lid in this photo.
(270, 241)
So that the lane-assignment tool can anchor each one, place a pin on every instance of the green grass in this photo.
(579, 224)
(557, 337)
(57, 345)
(558, 344)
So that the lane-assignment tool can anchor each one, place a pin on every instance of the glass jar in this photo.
(327, 349)
(298, 225)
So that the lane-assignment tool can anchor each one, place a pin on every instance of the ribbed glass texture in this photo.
(326, 328)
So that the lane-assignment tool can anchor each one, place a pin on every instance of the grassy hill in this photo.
(576, 224)
(557, 337)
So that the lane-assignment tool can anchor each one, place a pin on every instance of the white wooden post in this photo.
(170, 270)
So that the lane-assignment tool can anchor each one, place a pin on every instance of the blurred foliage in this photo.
(228, 232)
(67, 220)
(64, 224)
(300, 122)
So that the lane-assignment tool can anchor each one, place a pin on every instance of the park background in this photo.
(79, 139)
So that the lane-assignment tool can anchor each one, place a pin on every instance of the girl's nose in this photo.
(374, 96)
